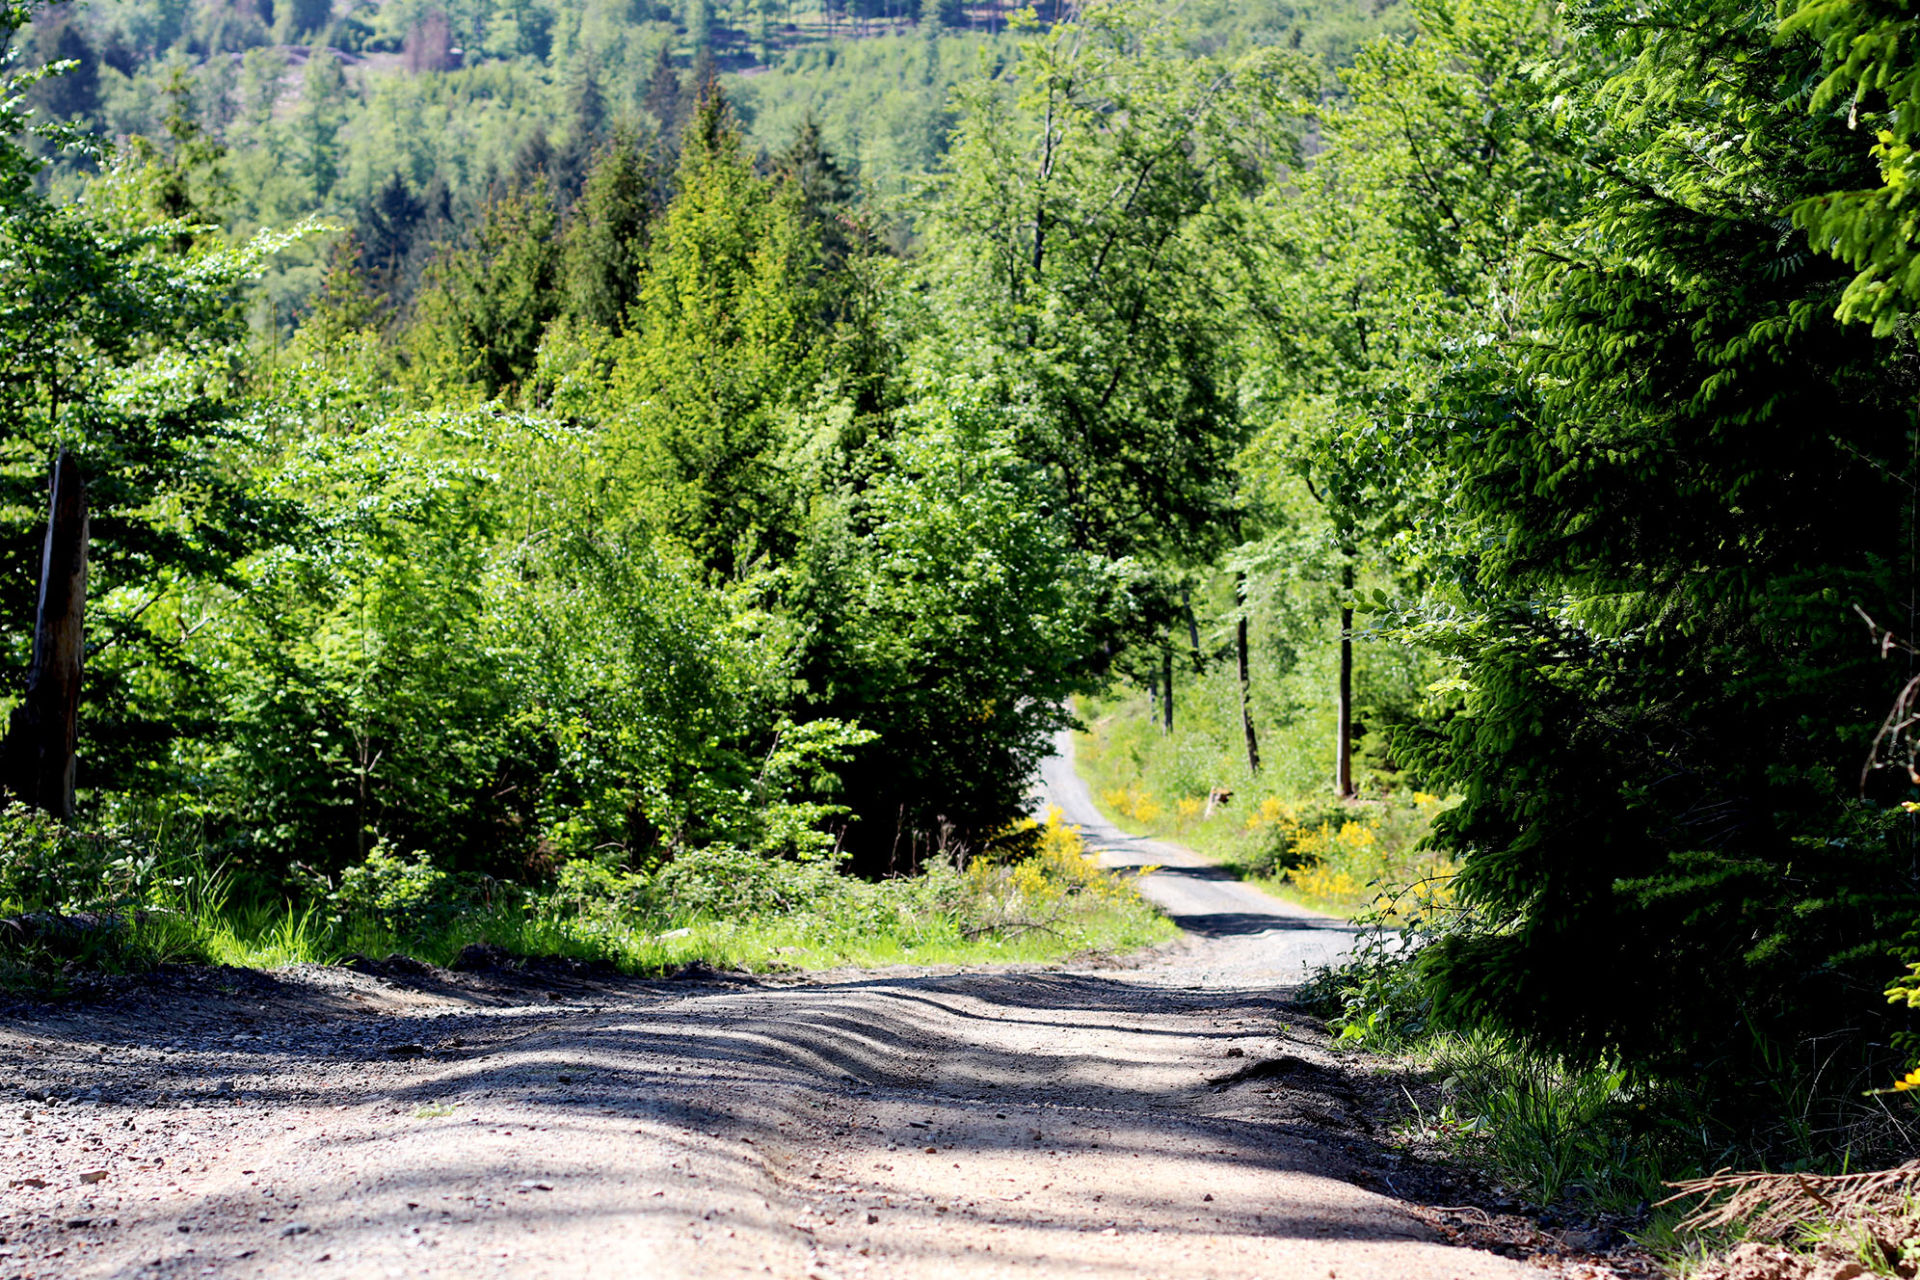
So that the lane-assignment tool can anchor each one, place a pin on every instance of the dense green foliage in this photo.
(1676, 528)
(403, 118)
(624, 540)
(1640, 484)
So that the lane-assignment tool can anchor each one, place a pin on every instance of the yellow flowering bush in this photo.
(1333, 851)
(1906, 990)
(1323, 842)
(1268, 826)
(1272, 812)
(1323, 882)
(1133, 802)
(1058, 868)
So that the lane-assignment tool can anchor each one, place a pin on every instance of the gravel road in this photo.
(1171, 1116)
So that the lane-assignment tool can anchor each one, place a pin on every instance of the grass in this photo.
(734, 911)
(1574, 1140)
(804, 940)
(1584, 1138)
(1566, 1137)
(1552, 1130)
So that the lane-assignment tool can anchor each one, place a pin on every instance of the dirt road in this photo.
(1173, 1118)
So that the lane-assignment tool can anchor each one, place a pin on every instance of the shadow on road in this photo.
(1230, 924)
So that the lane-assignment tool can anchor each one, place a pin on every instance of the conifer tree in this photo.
(586, 129)
(74, 94)
(606, 238)
(321, 114)
(663, 96)
(479, 320)
(722, 349)
(1670, 494)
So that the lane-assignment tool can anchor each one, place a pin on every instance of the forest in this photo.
(572, 475)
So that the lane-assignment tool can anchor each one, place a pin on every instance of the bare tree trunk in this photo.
(1246, 679)
(45, 728)
(1166, 697)
(1193, 630)
(1343, 746)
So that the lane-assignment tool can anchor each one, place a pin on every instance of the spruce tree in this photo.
(486, 305)
(1671, 490)
(722, 350)
(606, 237)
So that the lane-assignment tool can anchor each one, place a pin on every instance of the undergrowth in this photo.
(1555, 1134)
(77, 901)
(1578, 1136)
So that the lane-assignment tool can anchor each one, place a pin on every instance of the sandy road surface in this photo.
(1168, 1119)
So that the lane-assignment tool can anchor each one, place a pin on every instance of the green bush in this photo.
(47, 865)
(407, 896)
(1374, 998)
(725, 882)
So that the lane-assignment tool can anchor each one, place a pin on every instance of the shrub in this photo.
(46, 865)
(1375, 996)
(727, 882)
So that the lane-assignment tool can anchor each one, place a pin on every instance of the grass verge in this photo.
(726, 908)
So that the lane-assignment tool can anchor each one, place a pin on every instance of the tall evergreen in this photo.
(75, 94)
(398, 230)
(606, 237)
(1672, 492)
(586, 116)
(722, 350)
(662, 100)
(485, 306)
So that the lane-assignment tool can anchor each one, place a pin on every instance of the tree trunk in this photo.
(1166, 696)
(1343, 746)
(1193, 630)
(45, 728)
(1246, 680)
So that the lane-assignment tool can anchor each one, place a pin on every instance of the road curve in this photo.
(1252, 938)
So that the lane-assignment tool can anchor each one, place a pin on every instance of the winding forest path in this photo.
(1239, 936)
(1167, 1118)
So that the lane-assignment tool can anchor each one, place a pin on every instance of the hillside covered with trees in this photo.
(403, 118)
(557, 466)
